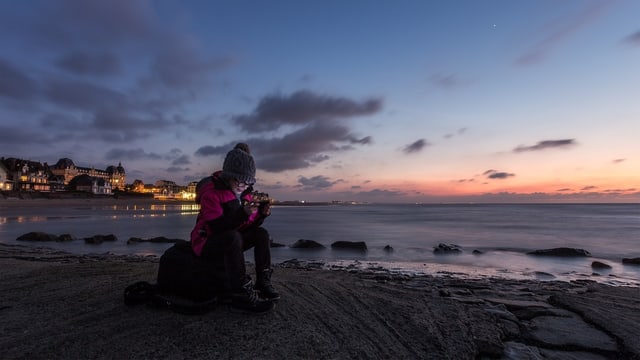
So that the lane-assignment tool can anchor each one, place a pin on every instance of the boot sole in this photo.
(274, 299)
(236, 310)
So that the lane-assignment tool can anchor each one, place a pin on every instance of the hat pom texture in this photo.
(239, 164)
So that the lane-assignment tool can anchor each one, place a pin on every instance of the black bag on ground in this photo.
(183, 273)
(185, 284)
(143, 292)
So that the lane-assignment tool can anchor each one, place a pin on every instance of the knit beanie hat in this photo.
(239, 164)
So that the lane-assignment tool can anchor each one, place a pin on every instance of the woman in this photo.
(229, 224)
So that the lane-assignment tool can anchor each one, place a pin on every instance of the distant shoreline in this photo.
(81, 199)
(13, 202)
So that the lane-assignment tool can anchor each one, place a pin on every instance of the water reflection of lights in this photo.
(22, 219)
(149, 215)
(190, 207)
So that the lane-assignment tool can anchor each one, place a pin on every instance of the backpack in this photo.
(186, 283)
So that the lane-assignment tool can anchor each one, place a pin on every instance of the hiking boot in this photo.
(246, 300)
(264, 287)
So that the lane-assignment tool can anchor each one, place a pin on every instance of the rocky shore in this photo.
(55, 305)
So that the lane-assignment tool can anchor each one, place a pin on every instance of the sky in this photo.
(359, 100)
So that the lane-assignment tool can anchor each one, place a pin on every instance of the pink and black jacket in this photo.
(220, 211)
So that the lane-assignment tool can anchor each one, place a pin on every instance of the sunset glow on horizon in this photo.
(373, 101)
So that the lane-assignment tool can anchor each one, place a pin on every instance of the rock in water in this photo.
(631, 261)
(600, 265)
(306, 244)
(447, 249)
(350, 245)
(37, 236)
(99, 239)
(562, 251)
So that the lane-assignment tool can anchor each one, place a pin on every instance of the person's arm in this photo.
(223, 216)
(263, 210)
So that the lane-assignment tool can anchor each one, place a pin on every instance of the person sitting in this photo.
(229, 223)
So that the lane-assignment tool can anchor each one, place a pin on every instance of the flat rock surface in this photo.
(56, 305)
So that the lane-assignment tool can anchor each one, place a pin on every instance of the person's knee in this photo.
(233, 239)
(262, 236)
(262, 233)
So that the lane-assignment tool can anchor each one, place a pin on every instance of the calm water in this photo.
(504, 233)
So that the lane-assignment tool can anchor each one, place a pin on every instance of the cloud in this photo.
(447, 82)
(546, 144)
(495, 174)
(131, 154)
(181, 160)
(381, 193)
(621, 191)
(633, 39)
(561, 30)
(181, 66)
(298, 150)
(618, 161)
(460, 131)
(315, 138)
(86, 63)
(588, 188)
(15, 83)
(301, 108)
(303, 148)
(175, 169)
(80, 95)
(209, 150)
(318, 182)
(100, 79)
(82, 24)
(17, 135)
(416, 146)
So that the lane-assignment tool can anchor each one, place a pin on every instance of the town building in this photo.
(115, 175)
(5, 183)
(26, 175)
(91, 184)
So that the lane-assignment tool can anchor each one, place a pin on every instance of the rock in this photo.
(541, 275)
(158, 239)
(562, 251)
(133, 240)
(518, 351)
(388, 248)
(276, 245)
(66, 237)
(99, 239)
(569, 332)
(511, 304)
(38, 236)
(477, 252)
(571, 355)
(349, 245)
(447, 249)
(631, 261)
(611, 308)
(306, 244)
(600, 265)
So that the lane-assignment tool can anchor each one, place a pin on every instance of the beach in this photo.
(57, 305)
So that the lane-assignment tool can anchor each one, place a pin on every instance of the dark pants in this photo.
(227, 250)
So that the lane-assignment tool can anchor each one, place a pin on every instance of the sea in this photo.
(494, 238)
